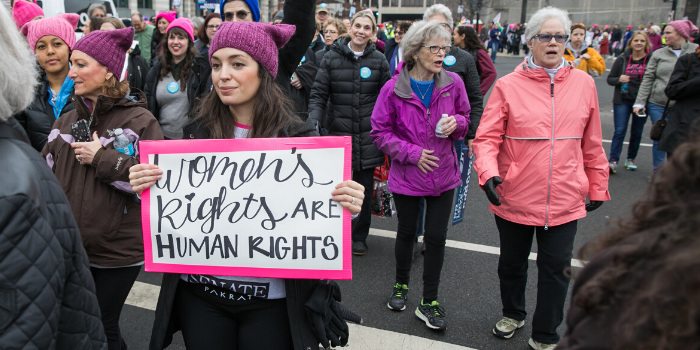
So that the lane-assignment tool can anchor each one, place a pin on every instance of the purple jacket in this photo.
(402, 128)
(655, 40)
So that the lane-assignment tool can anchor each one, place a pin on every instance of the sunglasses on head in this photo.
(240, 14)
(545, 38)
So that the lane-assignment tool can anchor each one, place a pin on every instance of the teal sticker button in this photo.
(449, 60)
(365, 72)
(173, 87)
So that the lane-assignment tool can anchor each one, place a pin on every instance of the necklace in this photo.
(422, 94)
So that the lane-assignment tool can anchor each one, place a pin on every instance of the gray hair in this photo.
(18, 78)
(535, 23)
(96, 6)
(138, 14)
(438, 9)
(197, 22)
(418, 35)
(656, 29)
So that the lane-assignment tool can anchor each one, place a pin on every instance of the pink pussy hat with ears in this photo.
(62, 26)
(169, 16)
(684, 27)
(108, 48)
(183, 23)
(259, 40)
(23, 12)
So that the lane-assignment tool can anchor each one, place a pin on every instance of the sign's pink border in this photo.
(274, 144)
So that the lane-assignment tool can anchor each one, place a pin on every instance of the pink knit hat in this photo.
(260, 40)
(184, 24)
(108, 48)
(684, 27)
(169, 16)
(62, 26)
(23, 12)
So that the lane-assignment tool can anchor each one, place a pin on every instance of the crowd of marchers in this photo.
(411, 98)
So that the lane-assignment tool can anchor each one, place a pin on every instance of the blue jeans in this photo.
(655, 113)
(494, 49)
(622, 114)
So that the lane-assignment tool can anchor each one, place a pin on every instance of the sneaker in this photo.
(629, 164)
(613, 166)
(397, 300)
(359, 248)
(540, 346)
(432, 314)
(506, 327)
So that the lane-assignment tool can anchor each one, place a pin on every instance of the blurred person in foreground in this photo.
(540, 139)
(47, 299)
(640, 288)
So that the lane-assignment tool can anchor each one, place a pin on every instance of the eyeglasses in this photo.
(545, 38)
(399, 33)
(211, 26)
(330, 32)
(436, 49)
(447, 25)
(240, 14)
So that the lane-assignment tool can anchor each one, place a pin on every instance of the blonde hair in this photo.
(340, 26)
(648, 45)
(367, 14)
(116, 22)
(114, 88)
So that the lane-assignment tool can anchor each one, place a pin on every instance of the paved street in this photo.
(469, 288)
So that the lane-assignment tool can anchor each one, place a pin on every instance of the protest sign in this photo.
(248, 207)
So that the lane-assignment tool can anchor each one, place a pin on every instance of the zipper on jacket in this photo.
(551, 160)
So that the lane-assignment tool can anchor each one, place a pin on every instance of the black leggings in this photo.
(437, 215)
(209, 324)
(113, 286)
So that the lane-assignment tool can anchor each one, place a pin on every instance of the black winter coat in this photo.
(47, 294)
(298, 290)
(38, 118)
(138, 69)
(389, 48)
(196, 83)
(352, 98)
(683, 87)
(465, 67)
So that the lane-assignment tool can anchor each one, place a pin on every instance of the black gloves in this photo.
(593, 205)
(490, 189)
(327, 315)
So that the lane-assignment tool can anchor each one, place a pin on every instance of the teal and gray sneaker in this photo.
(397, 300)
(506, 327)
(613, 166)
(432, 314)
(629, 164)
(540, 346)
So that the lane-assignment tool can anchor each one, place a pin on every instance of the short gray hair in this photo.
(138, 14)
(438, 9)
(656, 29)
(197, 22)
(420, 33)
(535, 23)
(18, 78)
(96, 6)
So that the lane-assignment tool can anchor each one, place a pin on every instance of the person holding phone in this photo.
(95, 176)
(626, 76)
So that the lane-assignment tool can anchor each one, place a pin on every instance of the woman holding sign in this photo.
(90, 149)
(348, 83)
(248, 104)
(420, 113)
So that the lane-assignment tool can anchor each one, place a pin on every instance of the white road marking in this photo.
(145, 296)
(627, 143)
(466, 246)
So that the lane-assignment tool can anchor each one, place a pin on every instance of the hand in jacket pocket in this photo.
(427, 161)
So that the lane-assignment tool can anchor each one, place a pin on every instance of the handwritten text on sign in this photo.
(249, 207)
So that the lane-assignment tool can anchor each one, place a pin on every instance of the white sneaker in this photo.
(506, 327)
(539, 346)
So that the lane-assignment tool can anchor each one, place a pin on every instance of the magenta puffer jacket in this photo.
(402, 127)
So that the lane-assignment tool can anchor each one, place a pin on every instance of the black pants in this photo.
(360, 229)
(211, 324)
(437, 215)
(554, 253)
(113, 286)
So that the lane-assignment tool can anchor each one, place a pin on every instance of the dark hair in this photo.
(202, 32)
(95, 23)
(166, 57)
(652, 282)
(272, 111)
(471, 39)
(403, 25)
(578, 26)
(116, 22)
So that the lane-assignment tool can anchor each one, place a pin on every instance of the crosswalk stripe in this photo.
(627, 143)
(465, 246)
(145, 296)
